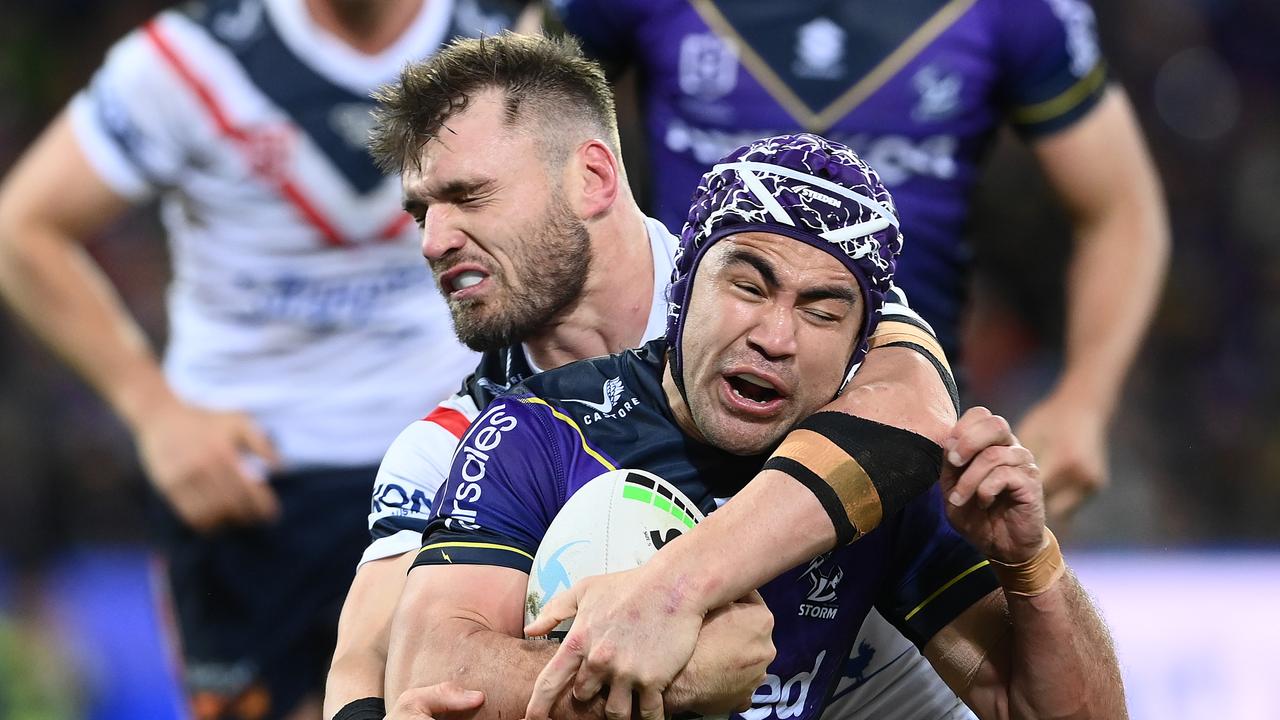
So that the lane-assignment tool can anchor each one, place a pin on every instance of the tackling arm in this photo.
(462, 623)
(360, 657)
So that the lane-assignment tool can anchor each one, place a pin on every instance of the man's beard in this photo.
(552, 266)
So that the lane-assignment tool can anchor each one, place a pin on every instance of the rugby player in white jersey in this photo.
(304, 331)
(509, 152)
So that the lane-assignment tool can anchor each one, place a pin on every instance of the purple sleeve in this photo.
(505, 485)
(1054, 72)
(935, 574)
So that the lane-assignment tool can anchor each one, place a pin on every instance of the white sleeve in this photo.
(413, 469)
(125, 119)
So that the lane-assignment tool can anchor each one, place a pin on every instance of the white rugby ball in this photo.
(615, 522)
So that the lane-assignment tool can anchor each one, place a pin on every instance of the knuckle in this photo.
(1001, 424)
(602, 655)
(575, 644)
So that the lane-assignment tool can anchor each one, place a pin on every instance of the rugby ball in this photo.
(615, 522)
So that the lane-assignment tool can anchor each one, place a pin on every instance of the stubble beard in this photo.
(552, 265)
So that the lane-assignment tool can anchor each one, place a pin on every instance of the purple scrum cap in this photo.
(804, 187)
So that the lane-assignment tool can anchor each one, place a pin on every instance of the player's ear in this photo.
(596, 176)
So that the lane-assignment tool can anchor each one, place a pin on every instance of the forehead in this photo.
(473, 145)
(794, 262)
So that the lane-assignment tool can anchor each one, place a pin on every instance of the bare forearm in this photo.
(499, 665)
(1063, 663)
(360, 656)
(53, 284)
(1115, 280)
(733, 551)
(1102, 171)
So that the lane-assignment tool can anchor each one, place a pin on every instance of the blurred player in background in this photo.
(304, 331)
(509, 149)
(919, 89)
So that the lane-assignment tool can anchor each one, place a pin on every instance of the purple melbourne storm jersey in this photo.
(530, 451)
(916, 87)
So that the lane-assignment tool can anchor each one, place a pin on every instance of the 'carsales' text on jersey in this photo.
(528, 452)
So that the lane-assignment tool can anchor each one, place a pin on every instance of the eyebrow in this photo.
(839, 292)
(449, 191)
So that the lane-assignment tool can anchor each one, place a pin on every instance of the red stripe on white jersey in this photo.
(242, 139)
(449, 419)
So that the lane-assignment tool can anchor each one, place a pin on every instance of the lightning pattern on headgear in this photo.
(805, 187)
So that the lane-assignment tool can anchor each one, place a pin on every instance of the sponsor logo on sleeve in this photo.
(395, 499)
(473, 464)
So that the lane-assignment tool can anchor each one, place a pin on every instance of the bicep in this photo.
(440, 606)
(1101, 162)
(371, 603)
(899, 386)
(490, 596)
(53, 186)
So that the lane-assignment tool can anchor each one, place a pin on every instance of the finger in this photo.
(978, 434)
(618, 706)
(264, 504)
(1002, 480)
(445, 697)
(561, 607)
(590, 678)
(213, 504)
(256, 441)
(651, 704)
(554, 679)
(973, 415)
(232, 487)
(981, 466)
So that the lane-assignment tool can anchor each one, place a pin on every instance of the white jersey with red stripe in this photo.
(299, 293)
(417, 463)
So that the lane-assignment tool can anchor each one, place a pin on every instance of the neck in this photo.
(369, 26)
(613, 310)
(679, 408)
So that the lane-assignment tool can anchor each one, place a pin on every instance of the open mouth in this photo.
(456, 282)
(753, 388)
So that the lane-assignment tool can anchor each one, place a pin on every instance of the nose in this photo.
(773, 334)
(440, 232)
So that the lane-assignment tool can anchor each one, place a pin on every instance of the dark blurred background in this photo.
(1196, 445)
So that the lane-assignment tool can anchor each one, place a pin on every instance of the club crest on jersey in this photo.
(820, 50)
(609, 407)
(708, 66)
(939, 94)
(270, 149)
(824, 576)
